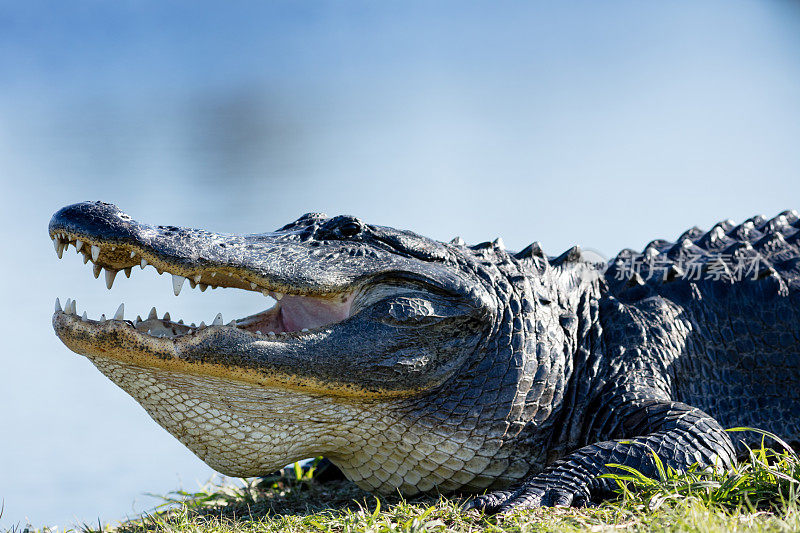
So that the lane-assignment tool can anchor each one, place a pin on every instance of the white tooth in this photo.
(95, 252)
(253, 285)
(128, 272)
(152, 314)
(113, 248)
(177, 283)
(271, 333)
(84, 317)
(217, 320)
(60, 249)
(133, 254)
(213, 274)
(102, 318)
(143, 263)
(96, 269)
(58, 305)
(110, 275)
(55, 244)
(258, 332)
(202, 325)
(149, 332)
(190, 331)
(203, 287)
(304, 330)
(78, 245)
(68, 306)
(120, 314)
(278, 296)
(197, 278)
(166, 316)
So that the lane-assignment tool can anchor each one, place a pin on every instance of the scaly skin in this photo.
(432, 366)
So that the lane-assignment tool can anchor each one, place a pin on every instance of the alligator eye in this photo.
(350, 228)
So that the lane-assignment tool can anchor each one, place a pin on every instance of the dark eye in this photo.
(341, 227)
(350, 228)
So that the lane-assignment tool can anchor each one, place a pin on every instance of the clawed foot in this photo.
(532, 494)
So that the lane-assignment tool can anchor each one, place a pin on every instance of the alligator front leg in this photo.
(680, 434)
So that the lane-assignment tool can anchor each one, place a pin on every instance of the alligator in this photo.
(417, 366)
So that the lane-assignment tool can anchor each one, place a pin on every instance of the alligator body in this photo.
(417, 365)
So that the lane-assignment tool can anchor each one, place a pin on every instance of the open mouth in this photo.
(293, 315)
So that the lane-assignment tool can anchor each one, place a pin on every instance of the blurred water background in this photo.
(606, 124)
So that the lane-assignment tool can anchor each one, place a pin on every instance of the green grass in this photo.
(760, 494)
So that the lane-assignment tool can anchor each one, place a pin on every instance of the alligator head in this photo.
(369, 322)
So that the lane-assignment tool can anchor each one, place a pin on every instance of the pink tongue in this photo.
(301, 312)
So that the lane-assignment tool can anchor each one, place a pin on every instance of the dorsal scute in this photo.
(573, 255)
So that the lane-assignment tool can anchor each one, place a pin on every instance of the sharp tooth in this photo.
(95, 252)
(202, 325)
(84, 317)
(197, 278)
(177, 283)
(60, 249)
(73, 307)
(167, 317)
(258, 332)
(193, 325)
(102, 318)
(265, 292)
(180, 321)
(202, 286)
(68, 306)
(159, 271)
(149, 332)
(58, 305)
(253, 285)
(152, 314)
(96, 270)
(304, 330)
(143, 263)
(213, 274)
(78, 245)
(110, 275)
(271, 333)
(120, 314)
(217, 320)
(278, 296)
(55, 244)
(128, 272)
(190, 331)
(192, 283)
(85, 258)
(113, 248)
(138, 319)
(133, 254)
(232, 323)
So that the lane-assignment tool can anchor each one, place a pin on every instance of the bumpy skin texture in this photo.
(514, 372)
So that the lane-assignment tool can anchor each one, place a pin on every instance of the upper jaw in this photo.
(286, 261)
